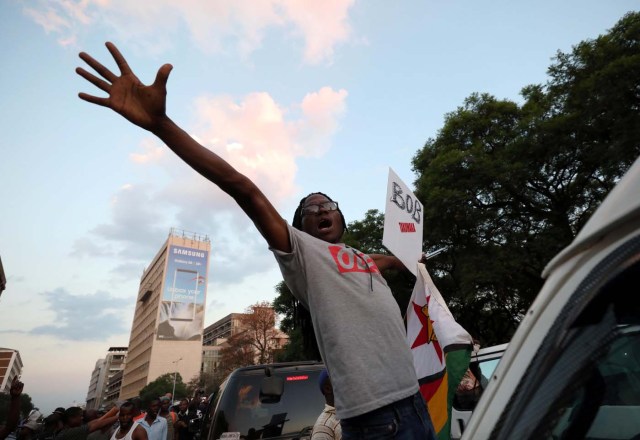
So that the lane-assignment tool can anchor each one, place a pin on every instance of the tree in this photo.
(507, 186)
(207, 381)
(161, 386)
(26, 405)
(237, 352)
(296, 323)
(259, 322)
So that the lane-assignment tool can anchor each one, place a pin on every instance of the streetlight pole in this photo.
(175, 372)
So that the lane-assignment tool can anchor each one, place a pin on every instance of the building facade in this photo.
(222, 329)
(10, 367)
(166, 334)
(104, 370)
(112, 391)
(96, 385)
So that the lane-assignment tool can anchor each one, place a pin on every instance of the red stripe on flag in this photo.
(429, 389)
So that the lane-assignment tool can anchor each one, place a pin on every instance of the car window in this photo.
(584, 382)
(606, 404)
(240, 409)
(474, 382)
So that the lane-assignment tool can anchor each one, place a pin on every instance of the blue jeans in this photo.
(405, 419)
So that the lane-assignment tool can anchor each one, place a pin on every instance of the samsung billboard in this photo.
(183, 298)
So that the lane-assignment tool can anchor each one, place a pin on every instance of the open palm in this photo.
(143, 105)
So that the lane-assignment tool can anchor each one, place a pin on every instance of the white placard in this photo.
(403, 223)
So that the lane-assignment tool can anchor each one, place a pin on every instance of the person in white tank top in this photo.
(128, 430)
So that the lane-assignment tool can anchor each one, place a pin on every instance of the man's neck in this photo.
(150, 419)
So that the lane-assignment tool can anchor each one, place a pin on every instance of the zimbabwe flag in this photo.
(441, 350)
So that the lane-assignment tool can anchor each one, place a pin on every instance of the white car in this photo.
(572, 369)
(481, 367)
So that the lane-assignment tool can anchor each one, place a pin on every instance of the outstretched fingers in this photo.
(95, 65)
(119, 59)
(99, 83)
(104, 102)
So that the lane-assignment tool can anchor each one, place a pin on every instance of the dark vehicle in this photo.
(275, 401)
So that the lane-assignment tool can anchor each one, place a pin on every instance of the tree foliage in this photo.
(237, 352)
(26, 405)
(296, 323)
(506, 186)
(259, 323)
(162, 385)
(209, 382)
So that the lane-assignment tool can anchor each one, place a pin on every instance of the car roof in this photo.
(312, 365)
(622, 204)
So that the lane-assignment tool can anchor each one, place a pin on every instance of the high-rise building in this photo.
(112, 390)
(10, 367)
(166, 334)
(223, 329)
(96, 385)
(104, 370)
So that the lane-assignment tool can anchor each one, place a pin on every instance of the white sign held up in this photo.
(403, 223)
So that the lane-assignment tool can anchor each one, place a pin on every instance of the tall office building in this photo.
(10, 367)
(166, 334)
(104, 370)
(223, 329)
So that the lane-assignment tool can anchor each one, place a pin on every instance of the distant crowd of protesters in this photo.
(161, 418)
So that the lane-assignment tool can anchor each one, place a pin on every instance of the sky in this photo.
(300, 96)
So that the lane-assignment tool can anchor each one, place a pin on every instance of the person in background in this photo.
(102, 433)
(186, 413)
(30, 428)
(128, 429)
(13, 415)
(155, 425)
(170, 416)
(74, 429)
(327, 427)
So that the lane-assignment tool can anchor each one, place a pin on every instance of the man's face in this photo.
(125, 417)
(164, 404)
(183, 406)
(324, 224)
(75, 421)
(154, 406)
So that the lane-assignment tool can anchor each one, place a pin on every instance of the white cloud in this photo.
(260, 138)
(212, 25)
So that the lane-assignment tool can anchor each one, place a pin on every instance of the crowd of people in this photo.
(159, 418)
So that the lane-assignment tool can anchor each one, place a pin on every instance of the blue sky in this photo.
(301, 96)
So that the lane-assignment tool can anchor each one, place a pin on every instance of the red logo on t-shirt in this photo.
(350, 260)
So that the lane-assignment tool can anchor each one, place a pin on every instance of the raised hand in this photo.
(16, 387)
(143, 105)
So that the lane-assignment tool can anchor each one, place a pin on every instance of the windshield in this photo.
(240, 409)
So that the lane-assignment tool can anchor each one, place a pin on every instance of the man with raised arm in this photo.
(13, 415)
(357, 322)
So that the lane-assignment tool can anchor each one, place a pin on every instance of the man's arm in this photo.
(139, 433)
(14, 408)
(145, 106)
(109, 418)
(385, 262)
